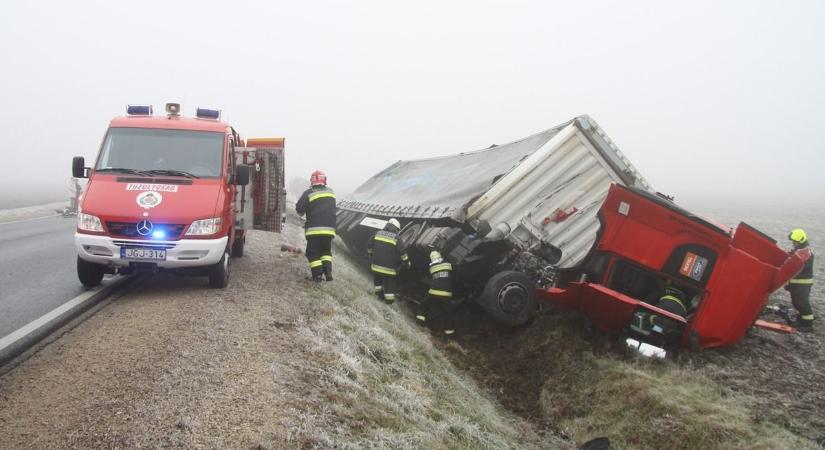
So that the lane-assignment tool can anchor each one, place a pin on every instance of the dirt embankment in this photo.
(273, 361)
(558, 373)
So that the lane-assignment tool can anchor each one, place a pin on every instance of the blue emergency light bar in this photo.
(203, 113)
(139, 110)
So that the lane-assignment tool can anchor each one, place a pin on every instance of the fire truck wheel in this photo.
(219, 273)
(89, 273)
(508, 296)
(237, 247)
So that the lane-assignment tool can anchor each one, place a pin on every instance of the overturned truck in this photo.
(525, 222)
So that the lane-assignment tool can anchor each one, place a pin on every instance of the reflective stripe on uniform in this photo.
(378, 288)
(438, 293)
(389, 296)
(441, 267)
(320, 231)
(313, 197)
(404, 257)
(674, 299)
(449, 331)
(383, 270)
(421, 318)
(327, 258)
(801, 281)
(386, 239)
(807, 317)
(316, 263)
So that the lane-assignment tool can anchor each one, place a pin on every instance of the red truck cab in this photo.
(161, 195)
(645, 244)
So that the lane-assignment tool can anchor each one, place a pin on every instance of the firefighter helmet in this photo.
(318, 178)
(798, 236)
(394, 222)
(435, 257)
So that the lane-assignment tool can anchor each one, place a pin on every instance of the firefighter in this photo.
(800, 285)
(439, 304)
(672, 301)
(387, 253)
(318, 203)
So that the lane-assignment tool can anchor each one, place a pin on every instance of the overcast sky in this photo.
(712, 101)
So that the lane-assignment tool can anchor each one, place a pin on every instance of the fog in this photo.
(714, 102)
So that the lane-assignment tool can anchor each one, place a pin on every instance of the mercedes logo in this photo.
(144, 227)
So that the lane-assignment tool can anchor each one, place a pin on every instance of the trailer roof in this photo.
(178, 123)
(440, 187)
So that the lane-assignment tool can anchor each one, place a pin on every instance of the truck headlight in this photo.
(204, 227)
(88, 222)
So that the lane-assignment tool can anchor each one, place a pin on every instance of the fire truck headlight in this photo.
(204, 227)
(88, 222)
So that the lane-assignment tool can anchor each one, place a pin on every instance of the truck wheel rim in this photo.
(512, 298)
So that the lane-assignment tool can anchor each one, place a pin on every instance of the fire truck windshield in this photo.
(196, 154)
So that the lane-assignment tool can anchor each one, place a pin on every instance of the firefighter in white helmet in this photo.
(438, 308)
(318, 203)
(387, 253)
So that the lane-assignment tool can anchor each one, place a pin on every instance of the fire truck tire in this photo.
(219, 273)
(237, 247)
(89, 273)
(508, 297)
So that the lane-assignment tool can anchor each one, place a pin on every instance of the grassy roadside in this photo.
(577, 384)
(646, 405)
(387, 386)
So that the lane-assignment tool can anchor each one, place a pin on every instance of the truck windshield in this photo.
(162, 152)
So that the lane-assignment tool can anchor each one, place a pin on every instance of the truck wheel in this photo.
(219, 273)
(237, 247)
(509, 297)
(89, 273)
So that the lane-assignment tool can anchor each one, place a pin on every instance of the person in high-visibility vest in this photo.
(800, 285)
(318, 203)
(387, 253)
(673, 301)
(440, 303)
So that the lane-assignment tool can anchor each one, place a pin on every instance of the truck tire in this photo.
(508, 296)
(219, 273)
(89, 273)
(237, 247)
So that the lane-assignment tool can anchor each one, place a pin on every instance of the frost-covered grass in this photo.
(642, 403)
(389, 387)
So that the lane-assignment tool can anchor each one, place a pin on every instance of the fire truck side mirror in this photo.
(241, 175)
(79, 169)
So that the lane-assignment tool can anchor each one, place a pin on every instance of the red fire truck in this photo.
(646, 244)
(175, 193)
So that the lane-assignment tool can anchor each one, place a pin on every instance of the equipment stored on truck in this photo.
(175, 193)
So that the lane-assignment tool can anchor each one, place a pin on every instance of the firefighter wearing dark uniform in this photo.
(387, 253)
(439, 305)
(318, 203)
(800, 285)
(673, 301)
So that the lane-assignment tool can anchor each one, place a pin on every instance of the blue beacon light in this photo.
(203, 113)
(158, 234)
(139, 110)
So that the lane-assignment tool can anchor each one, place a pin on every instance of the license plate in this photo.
(145, 254)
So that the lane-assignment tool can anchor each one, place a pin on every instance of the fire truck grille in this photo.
(130, 230)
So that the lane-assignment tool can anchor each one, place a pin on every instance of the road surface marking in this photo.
(35, 324)
(29, 220)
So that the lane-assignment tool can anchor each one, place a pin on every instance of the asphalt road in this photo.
(37, 269)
